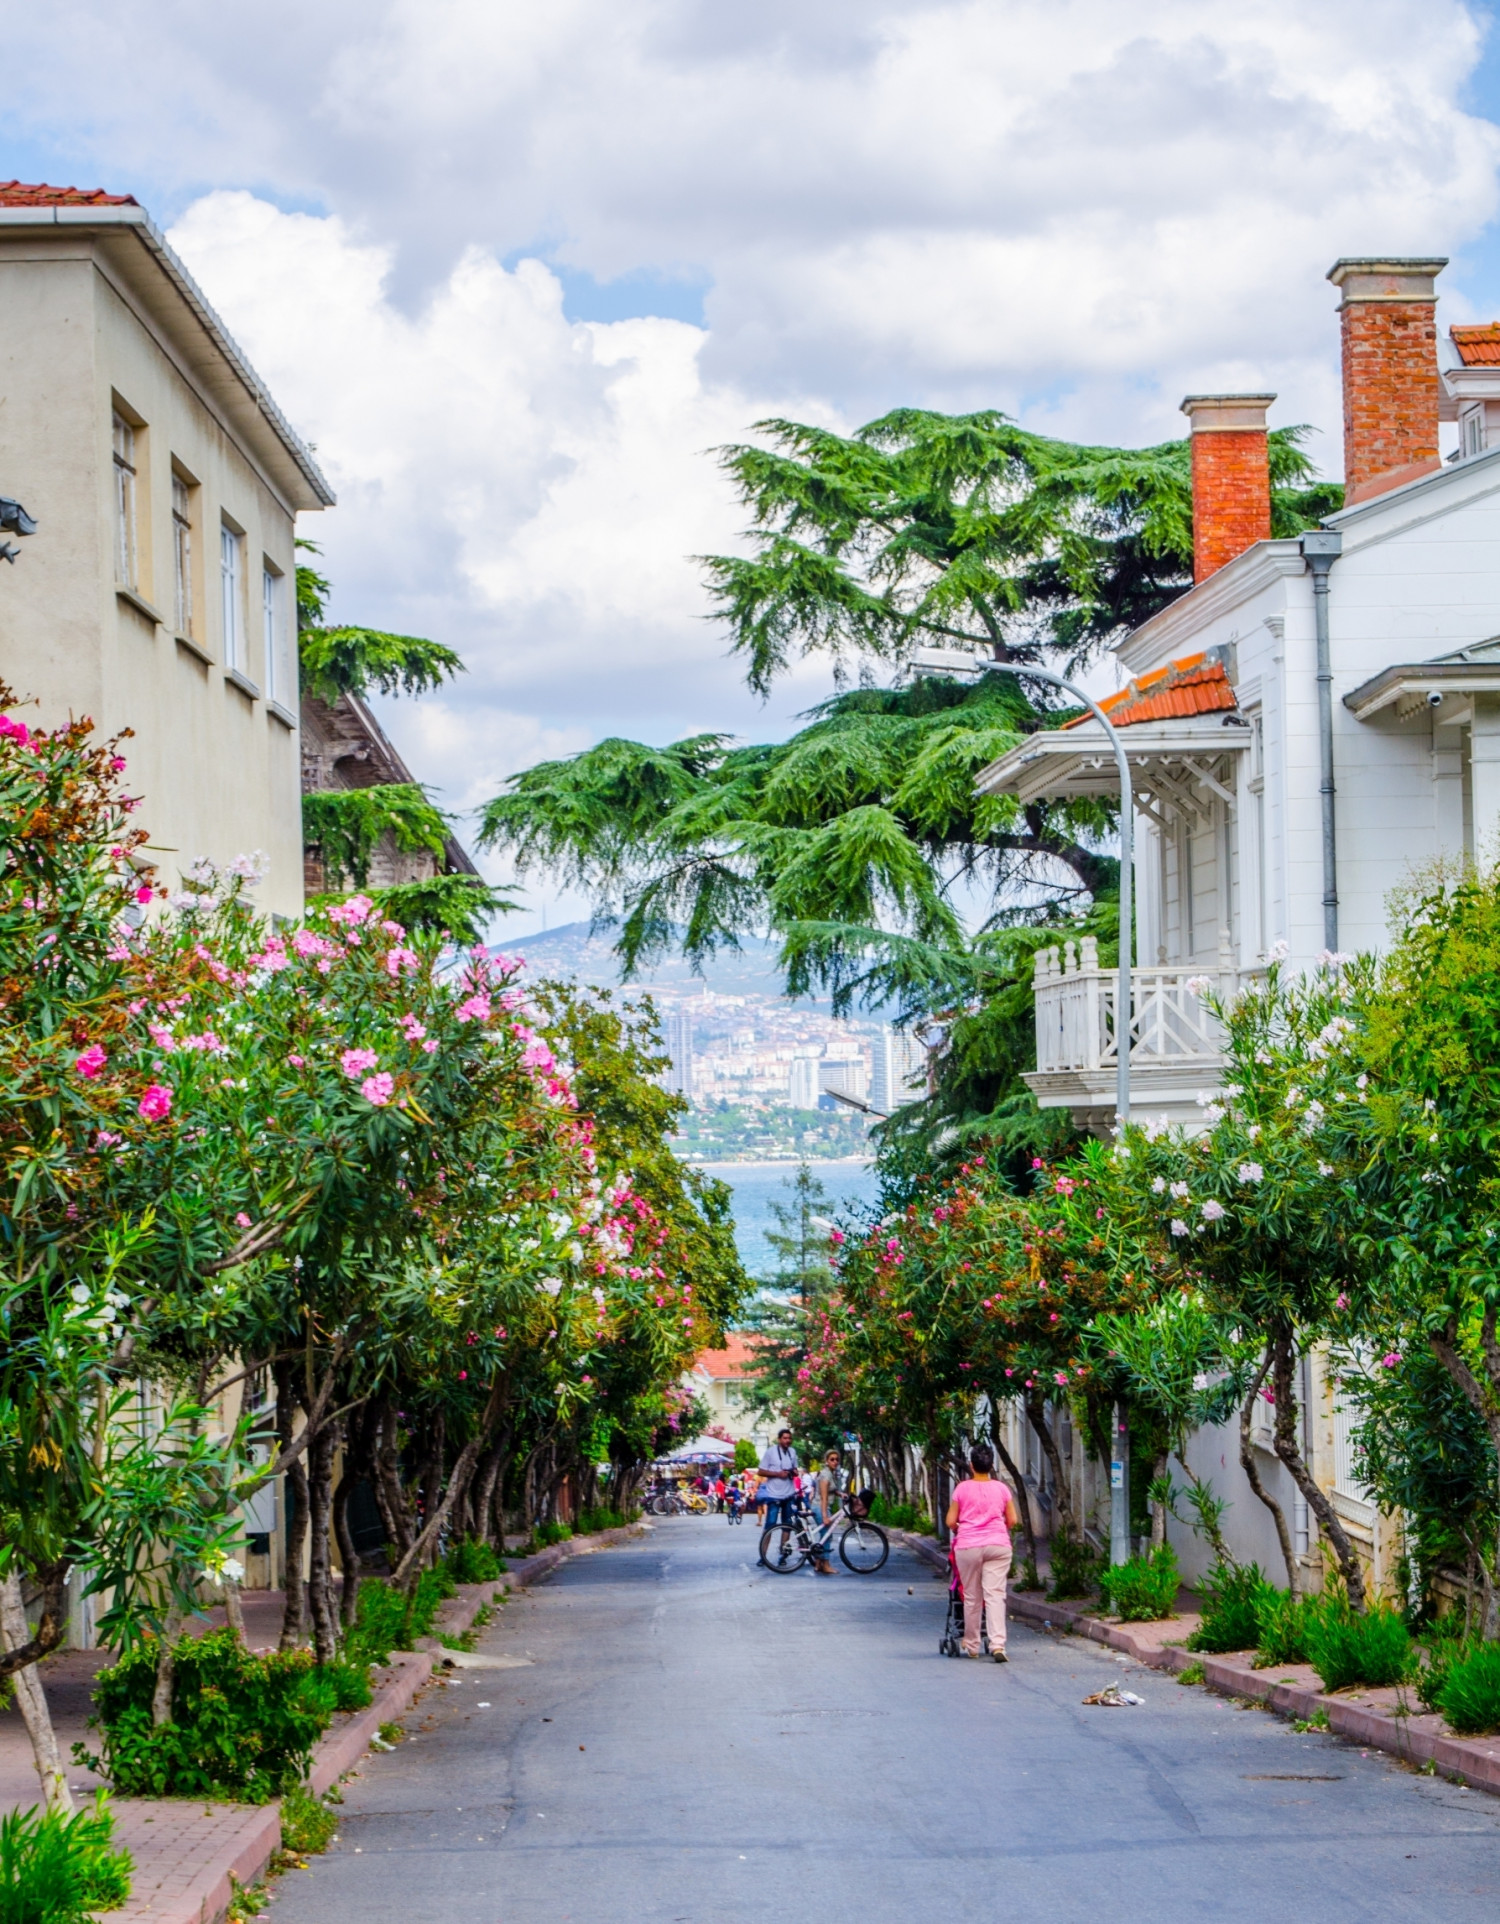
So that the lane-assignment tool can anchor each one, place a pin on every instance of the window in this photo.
(125, 506)
(1474, 432)
(275, 633)
(232, 587)
(182, 554)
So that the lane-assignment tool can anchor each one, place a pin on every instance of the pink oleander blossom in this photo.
(378, 1089)
(354, 1062)
(156, 1103)
(144, 893)
(411, 1028)
(91, 1061)
(429, 1047)
(475, 1009)
(399, 959)
(350, 914)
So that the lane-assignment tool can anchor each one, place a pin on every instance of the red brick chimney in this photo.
(1231, 477)
(1390, 372)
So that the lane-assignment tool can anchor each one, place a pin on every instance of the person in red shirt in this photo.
(982, 1516)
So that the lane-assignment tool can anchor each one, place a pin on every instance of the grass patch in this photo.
(470, 1561)
(387, 1619)
(1469, 1697)
(901, 1516)
(1142, 1589)
(391, 1733)
(1193, 1674)
(1075, 1570)
(307, 1824)
(1375, 1649)
(1317, 1721)
(1233, 1597)
(58, 1868)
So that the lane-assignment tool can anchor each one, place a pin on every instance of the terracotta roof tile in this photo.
(1192, 686)
(18, 193)
(1478, 346)
(733, 1361)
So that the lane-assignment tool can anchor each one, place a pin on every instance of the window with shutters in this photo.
(182, 555)
(232, 595)
(125, 501)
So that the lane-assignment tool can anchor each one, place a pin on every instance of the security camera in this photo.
(1434, 698)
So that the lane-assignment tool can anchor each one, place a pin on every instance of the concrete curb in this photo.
(197, 1882)
(1368, 1717)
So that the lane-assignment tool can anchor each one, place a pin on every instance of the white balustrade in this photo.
(1170, 1024)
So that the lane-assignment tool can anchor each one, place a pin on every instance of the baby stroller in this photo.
(952, 1644)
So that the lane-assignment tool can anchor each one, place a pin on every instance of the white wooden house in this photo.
(1221, 721)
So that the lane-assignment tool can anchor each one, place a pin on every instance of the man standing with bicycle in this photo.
(778, 1468)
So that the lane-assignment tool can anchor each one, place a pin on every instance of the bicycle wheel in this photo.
(783, 1552)
(863, 1548)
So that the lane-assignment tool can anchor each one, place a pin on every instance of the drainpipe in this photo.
(1320, 550)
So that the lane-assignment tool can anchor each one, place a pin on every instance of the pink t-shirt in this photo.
(981, 1514)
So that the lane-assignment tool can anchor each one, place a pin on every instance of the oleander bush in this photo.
(59, 1868)
(243, 1725)
(1233, 1597)
(1142, 1589)
(1375, 1649)
(1469, 1689)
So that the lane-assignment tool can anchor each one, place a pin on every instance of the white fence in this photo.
(1170, 1023)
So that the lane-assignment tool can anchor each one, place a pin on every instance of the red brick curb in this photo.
(192, 1855)
(1368, 1717)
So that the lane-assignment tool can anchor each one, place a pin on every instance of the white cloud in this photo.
(1073, 209)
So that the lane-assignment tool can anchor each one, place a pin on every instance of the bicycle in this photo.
(787, 1546)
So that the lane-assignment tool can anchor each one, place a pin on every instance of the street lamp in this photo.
(1119, 1465)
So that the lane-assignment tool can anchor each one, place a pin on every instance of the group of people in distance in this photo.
(980, 1519)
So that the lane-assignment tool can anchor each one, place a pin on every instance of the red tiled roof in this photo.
(17, 193)
(1478, 346)
(731, 1362)
(1192, 686)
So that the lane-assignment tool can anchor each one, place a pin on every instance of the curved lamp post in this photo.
(1119, 1468)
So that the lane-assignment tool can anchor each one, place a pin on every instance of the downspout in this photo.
(1320, 550)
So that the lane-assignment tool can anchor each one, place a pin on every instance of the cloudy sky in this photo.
(516, 269)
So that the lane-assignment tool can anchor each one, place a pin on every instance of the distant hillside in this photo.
(572, 951)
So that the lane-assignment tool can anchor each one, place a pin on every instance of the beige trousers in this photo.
(984, 1570)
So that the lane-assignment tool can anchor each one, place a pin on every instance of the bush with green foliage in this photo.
(1374, 1649)
(543, 1535)
(1469, 1691)
(243, 1725)
(1142, 1589)
(58, 1867)
(470, 1561)
(745, 1457)
(588, 1521)
(1282, 1628)
(1234, 1596)
(340, 1685)
(307, 1824)
(900, 1516)
(388, 1619)
(1074, 1569)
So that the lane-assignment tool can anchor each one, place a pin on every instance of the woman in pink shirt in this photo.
(982, 1516)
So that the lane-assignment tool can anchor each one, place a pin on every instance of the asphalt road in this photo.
(695, 1741)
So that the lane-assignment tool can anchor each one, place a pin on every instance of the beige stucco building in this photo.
(157, 593)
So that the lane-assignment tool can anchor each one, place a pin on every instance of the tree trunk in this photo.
(166, 1670)
(294, 1484)
(1017, 1481)
(234, 1615)
(485, 1479)
(1062, 1495)
(458, 1482)
(349, 1590)
(15, 1634)
(394, 1510)
(1159, 1470)
(320, 1564)
(432, 1473)
(1283, 1363)
(51, 1627)
(1252, 1476)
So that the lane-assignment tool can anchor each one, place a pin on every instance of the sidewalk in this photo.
(1389, 1720)
(187, 1852)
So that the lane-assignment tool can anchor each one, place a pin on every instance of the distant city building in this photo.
(678, 1028)
(846, 1074)
(900, 1071)
(803, 1082)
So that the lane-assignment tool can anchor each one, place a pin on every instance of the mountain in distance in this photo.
(588, 956)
